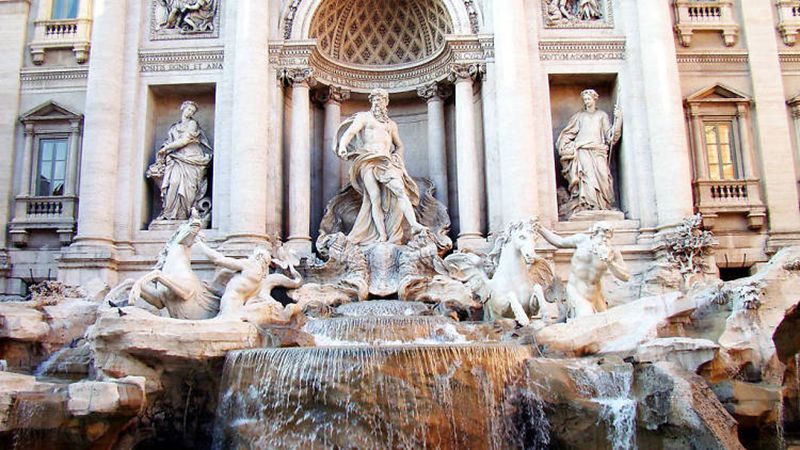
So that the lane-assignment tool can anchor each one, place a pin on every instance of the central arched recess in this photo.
(380, 32)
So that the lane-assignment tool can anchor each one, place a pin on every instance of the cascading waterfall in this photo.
(381, 330)
(611, 389)
(409, 397)
(382, 308)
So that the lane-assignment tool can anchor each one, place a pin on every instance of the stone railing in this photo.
(789, 20)
(705, 15)
(730, 196)
(44, 213)
(65, 33)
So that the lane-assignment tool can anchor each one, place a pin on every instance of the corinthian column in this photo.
(437, 151)
(250, 122)
(467, 156)
(332, 179)
(299, 216)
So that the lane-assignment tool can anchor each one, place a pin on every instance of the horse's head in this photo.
(520, 236)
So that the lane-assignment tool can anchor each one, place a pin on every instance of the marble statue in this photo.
(189, 16)
(511, 280)
(172, 284)
(181, 168)
(251, 279)
(584, 147)
(371, 141)
(593, 257)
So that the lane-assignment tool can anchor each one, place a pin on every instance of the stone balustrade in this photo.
(44, 213)
(705, 15)
(789, 20)
(64, 33)
(714, 197)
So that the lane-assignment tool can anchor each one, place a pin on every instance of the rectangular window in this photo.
(52, 167)
(65, 9)
(721, 151)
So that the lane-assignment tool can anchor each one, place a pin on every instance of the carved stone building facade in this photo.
(480, 89)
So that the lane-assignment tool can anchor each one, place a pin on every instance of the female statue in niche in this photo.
(181, 168)
(584, 147)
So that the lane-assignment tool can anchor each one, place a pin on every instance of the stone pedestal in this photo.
(596, 216)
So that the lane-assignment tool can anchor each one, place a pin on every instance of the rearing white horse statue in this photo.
(510, 281)
(172, 284)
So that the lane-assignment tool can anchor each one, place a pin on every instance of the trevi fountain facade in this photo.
(489, 224)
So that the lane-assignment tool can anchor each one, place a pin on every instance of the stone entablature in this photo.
(155, 61)
(74, 33)
(705, 15)
(582, 49)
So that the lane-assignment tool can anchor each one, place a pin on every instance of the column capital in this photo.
(466, 72)
(75, 126)
(29, 128)
(434, 91)
(332, 94)
(293, 76)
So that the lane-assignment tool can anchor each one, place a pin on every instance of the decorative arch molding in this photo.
(299, 51)
(299, 14)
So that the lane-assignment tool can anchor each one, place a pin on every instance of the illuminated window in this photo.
(721, 151)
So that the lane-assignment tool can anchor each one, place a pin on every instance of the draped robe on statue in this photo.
(385, 168)
(185, 181)
(584, 148)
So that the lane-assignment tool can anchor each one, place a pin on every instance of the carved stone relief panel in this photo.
(577, 14)
(184, 19)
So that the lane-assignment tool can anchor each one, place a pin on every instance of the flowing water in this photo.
(383, 377)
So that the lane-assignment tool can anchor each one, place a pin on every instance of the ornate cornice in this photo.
(789, 60)
(180, 60)
(713, 61)
(49, 79)
(581, 49)
(397, 78)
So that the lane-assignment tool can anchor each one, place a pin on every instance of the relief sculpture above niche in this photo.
(577, 14)
(184, 19)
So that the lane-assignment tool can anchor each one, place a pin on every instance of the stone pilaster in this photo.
(299, 215)
(515, 114)
(74, 158)
(668, 146)
(250, 147)
(13, 29)
(27, 161)
(467, 155)
(772, 137)
(333, 174)
(434, 95)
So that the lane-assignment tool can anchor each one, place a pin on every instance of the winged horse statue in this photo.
(511, 279)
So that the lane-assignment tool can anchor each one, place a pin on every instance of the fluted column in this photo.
(515, 115)
(672, 174)
(299, 215)
(27, 159)
(74, 157)
(250, 122)
(332, 179)
(102, 138)
(437, 150)
(467, 156)
(772, 137)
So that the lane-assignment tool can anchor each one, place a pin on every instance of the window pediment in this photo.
(50, 111)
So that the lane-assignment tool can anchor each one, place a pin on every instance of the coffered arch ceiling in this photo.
(380, 32)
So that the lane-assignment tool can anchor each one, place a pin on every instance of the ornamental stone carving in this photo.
(584, 148)
(297, 75)
(473, 72)
(333, 94)
(434, 90)
(175, 19)
(576, 13)
(180, 171)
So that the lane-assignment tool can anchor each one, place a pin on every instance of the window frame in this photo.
(71, 9)
(37, 158)
(734, 147)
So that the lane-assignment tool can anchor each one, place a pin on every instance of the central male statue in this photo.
(378, 174)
